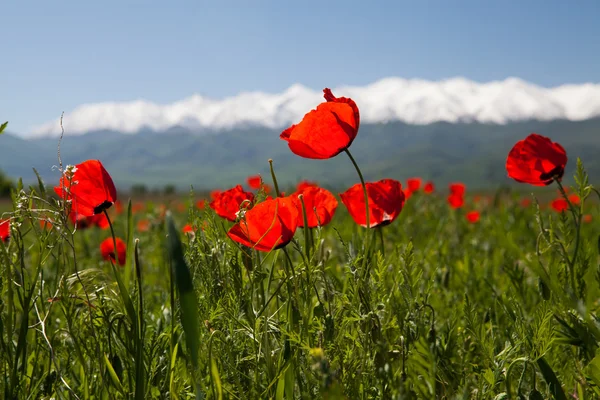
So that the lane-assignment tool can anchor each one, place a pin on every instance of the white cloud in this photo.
(410, 100)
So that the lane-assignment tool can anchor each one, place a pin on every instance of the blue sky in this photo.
(59, 54)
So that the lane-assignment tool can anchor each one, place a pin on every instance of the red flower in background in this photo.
(45, 223)
(413, 184)
(456, 201)
(266, 188)
(201, 204)
(89, 187)
(143, 225)
(473, 216)
(4, 229)
(137, 207)
(587, 218)
(559, 205)
(428, 188)
(457, 189)
(254, 181)
(536, 160)
(386, 200)
(326, 131)
(574, 199)
(188, 229)
(304, 184)
(525, 202)
(215, 193)
(320, 205)
(227, 204)
(118, 206)
(268, 225)
(107, 249)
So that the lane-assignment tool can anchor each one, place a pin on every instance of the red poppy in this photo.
(181, 207)
(215, 193)
(574, 199)
(107, 249)
(4, 229)
(320, 205)
(268, 225)
(304, 184)
(84, 222)
(413, 184)
(326, 131)
(525, 202)
(227, 204)
(137, 207)
(266, 188)
(45, 223)
(89, 187)
(386, 200)
(456, 201)
(457, 189)
(188, 229)
(559, 205)
(143, 225)
(201, 204)
(428, 188)
(473, 216)
(536, 160)
(587, 218)
(254, 181)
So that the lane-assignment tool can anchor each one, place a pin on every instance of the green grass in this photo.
(435, 308)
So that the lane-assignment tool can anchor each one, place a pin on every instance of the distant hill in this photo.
(471, 152)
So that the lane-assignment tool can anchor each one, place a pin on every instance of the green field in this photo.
(434, 307)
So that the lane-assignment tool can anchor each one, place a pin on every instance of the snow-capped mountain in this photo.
(413, 101)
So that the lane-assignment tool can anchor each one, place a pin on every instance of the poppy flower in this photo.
(428, 188)
(215, 193)
(254, 181)
(45, 224)
(268, 225)
(227, 204)
(143, 225)
(473, 216)
(536, 160)
(137, 207)
(559, 205)
(201, 204)
(587, 218)
(107, 249)
(320, 205)
(386, 200)
(187, 229)
(413, 184)
(181, 207)
(4, 229)
(89, 188)
(456, 201)
(326, 131)
(266, 188)
(457, 189)
(84, 222)
(574, 199)
(304, 184)
(525, 202)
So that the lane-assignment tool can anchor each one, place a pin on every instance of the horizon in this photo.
(62, 57)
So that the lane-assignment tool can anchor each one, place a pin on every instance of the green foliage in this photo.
(436, 307)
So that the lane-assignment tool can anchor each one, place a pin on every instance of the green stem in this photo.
(274, 178)
(362, 181)
(577, 220)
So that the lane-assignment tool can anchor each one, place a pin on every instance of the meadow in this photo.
(397, 291)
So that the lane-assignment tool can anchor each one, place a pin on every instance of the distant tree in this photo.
(139, 189)
(169, 190)
(6, 185)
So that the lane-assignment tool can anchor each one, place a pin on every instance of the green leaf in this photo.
(551, 380)
(187, 298)
(3, 127)
(216, 378)
(113, 375)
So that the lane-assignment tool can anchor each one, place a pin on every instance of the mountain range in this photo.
(452, 130)
(413, 101)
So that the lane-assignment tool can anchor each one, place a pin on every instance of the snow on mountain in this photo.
(413, 101)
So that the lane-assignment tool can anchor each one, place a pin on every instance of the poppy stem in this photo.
(307, 241)
(577, 220)
(362, 181)
(274, 178)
